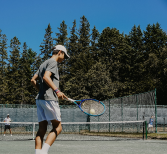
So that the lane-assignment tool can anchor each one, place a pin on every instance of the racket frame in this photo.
(81, 101)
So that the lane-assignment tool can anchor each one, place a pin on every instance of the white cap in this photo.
(62, 48)
(7, 114)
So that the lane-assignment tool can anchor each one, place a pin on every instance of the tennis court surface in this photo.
(88, 147)
(124, 137)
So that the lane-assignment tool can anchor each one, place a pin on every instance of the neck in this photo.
(55, 57)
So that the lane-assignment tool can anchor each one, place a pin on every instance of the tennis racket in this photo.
(91, 107)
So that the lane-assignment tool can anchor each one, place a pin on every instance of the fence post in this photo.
(164, 124)
(155, 112)
(146, 128)
(121, 109)
(137, 106)
(122, 112)
(109, 115)
(1, 117)
(33, 113)
(33, 130)
(2, 112)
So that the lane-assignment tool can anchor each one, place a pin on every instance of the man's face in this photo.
(61, 57)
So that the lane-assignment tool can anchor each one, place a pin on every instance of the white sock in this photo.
(45, 148)
(38, 151)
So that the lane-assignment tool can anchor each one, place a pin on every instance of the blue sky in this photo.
(28, 19)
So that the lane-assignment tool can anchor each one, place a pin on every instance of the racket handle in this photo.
(71, 100)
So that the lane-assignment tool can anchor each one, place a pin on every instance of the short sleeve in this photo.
(52, 67)
(37, 72)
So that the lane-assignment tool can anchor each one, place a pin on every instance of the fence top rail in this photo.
(80, 123)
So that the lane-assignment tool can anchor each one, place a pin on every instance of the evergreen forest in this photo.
(103, 65)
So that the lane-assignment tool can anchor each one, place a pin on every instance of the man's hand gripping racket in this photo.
(90, 107)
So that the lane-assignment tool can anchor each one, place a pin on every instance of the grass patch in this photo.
(115, 134)
(157, 136)
(127, 135)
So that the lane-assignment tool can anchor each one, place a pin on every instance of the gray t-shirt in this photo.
(45, 92)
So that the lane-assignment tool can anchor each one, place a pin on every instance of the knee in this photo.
(58, 129)
(41, 131)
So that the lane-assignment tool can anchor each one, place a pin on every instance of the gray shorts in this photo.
(149, 126)
(48, 110)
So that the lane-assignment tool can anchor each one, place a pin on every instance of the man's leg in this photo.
(57, 128)
(10, 131)
(152, 129)
(40, 134)
(4, 131)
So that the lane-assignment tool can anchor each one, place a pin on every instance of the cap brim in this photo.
(66, 56)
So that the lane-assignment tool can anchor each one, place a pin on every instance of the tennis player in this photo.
(150, 124)
(7, 121)
(48, 110)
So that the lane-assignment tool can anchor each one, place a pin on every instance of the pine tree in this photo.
(26, 71)
(155, 58)
(84, 59)
(47, 44)
(100, 84)
(72, 50)
(23, 72)
(61, 36)
(94, 44)
(14, 81)
(84, 34)
(135, 41)
(34, 62)
(3, 67)
(62, 39)
(115, 54)
(154, 43)
(81, 60)
(162, 85)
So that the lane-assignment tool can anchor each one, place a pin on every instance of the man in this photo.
(47, 99)
(150, 124)
(7, 124)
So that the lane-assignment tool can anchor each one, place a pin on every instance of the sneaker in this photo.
(11, 134)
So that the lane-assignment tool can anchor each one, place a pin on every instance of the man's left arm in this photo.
(34, 82)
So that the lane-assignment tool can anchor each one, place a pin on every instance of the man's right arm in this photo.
(47, 79)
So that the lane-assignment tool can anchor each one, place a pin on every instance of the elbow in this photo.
(44, 78)
(32, 81)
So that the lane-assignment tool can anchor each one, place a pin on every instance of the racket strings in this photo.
(92, 107)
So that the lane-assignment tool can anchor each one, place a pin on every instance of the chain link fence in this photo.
(131, 108)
